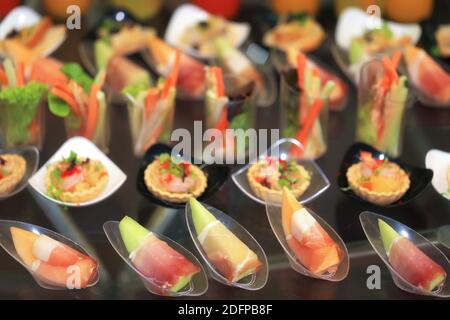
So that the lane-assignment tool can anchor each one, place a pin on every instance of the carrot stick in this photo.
(3, 77)
(67, 98)
(220, 83)
(20, 74)
(63, 87)
(396, 59)
(301, 65)
(313, 113)
(150, 102)
(92, 112)
(222, 124)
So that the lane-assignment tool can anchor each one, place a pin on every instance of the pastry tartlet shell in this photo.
(152, 173)
(379, 198)
(9, 183)
(79, 196)
(275, 196)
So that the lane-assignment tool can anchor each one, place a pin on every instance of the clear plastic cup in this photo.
(15, 133)
(295, 109)
(380, 121)
(150, 128)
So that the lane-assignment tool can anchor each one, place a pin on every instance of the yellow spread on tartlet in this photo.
(378, 181)
(12, 170)
(174, 181)
(76, 179)
(267, 178)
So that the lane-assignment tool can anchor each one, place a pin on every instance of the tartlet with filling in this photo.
(76, 179)
(380, 182)
(300, 32)
(174, 181)
(12, 170)
(268, 176)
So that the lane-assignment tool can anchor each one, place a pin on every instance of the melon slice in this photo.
(154, 258)
(409, 261)
(232, 258)
(310, 243)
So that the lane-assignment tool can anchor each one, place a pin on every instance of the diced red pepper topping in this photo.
(70, 172)
(367, 185)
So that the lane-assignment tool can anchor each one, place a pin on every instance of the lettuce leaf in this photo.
(58, 106)
(76, 73)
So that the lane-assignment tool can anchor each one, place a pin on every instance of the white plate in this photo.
(187, 15)
(439, 161)
(353, 22)
(85, 148)
(19, 18)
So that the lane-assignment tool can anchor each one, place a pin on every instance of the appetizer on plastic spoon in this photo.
(155, 259)
(312, 246)
(428, 76)
(409, 261)
(232, 258)
(54, 262)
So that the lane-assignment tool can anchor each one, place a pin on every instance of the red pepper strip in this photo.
(220, 83)
(313, 113)
(68, 98)
(71, 172)
(3, 77)
(222, 124)
(20, 74)
(396, 59)
(150, 101)
(92, 112)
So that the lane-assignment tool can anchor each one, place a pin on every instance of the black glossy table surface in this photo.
(425, 129)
